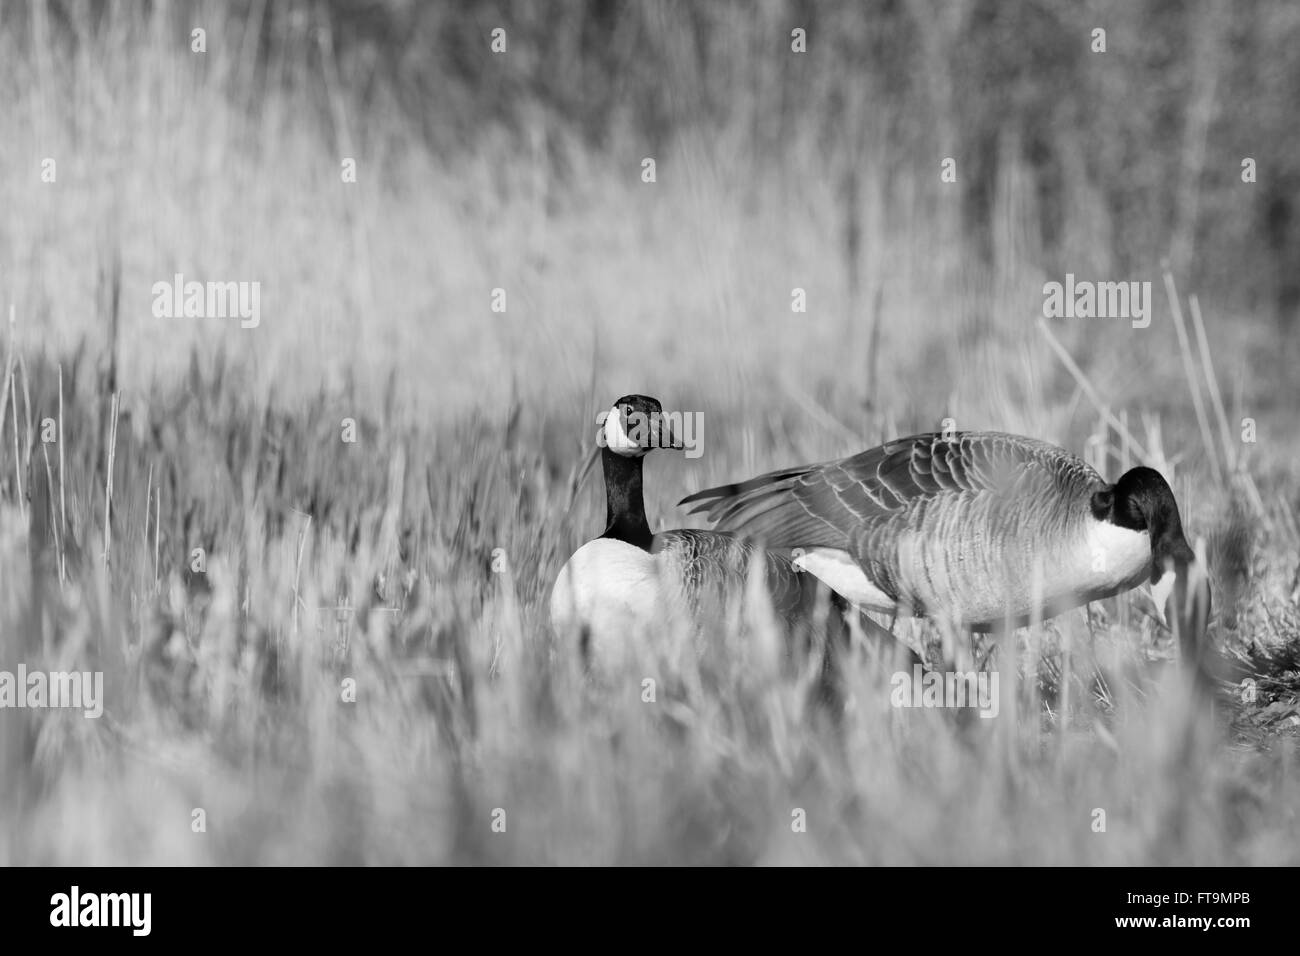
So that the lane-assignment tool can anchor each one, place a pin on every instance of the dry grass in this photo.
(222, 696)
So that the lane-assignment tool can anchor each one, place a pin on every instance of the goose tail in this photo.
(767, 509)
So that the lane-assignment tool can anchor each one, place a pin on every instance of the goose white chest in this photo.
(609, 590)
(1115, 557)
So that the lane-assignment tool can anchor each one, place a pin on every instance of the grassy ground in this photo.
(224, 689)
(416, 561)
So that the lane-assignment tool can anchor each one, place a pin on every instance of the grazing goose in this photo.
(976, 529)
(629, 581)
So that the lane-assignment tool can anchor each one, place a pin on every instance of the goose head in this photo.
(1143, 501)
(635, 426)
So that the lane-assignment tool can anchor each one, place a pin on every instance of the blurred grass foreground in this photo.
(318, 650)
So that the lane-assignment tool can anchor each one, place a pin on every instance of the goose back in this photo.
(977, 527)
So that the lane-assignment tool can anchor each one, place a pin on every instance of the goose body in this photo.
(978, 529)
(611, 592)
(607, 589)
(629, 583)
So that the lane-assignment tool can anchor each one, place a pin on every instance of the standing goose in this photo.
(628, 580)
(976, 529)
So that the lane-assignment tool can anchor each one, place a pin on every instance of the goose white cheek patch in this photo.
(616, 438)
(1161, 590)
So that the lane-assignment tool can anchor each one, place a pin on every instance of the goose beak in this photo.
(666, 438)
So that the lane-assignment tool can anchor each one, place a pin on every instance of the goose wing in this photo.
(822, 505)
(927, 517)
(713, 565)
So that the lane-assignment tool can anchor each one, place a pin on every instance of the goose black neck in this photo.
(625, 507)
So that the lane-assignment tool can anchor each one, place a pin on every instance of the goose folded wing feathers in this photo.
(711, 566)
(818, 505)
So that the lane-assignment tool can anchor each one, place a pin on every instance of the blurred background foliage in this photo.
(1115, 159)
(776, 170)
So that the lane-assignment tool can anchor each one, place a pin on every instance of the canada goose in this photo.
(977, 529)
(629, 580)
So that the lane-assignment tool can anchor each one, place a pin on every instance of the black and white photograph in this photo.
(651, 433)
